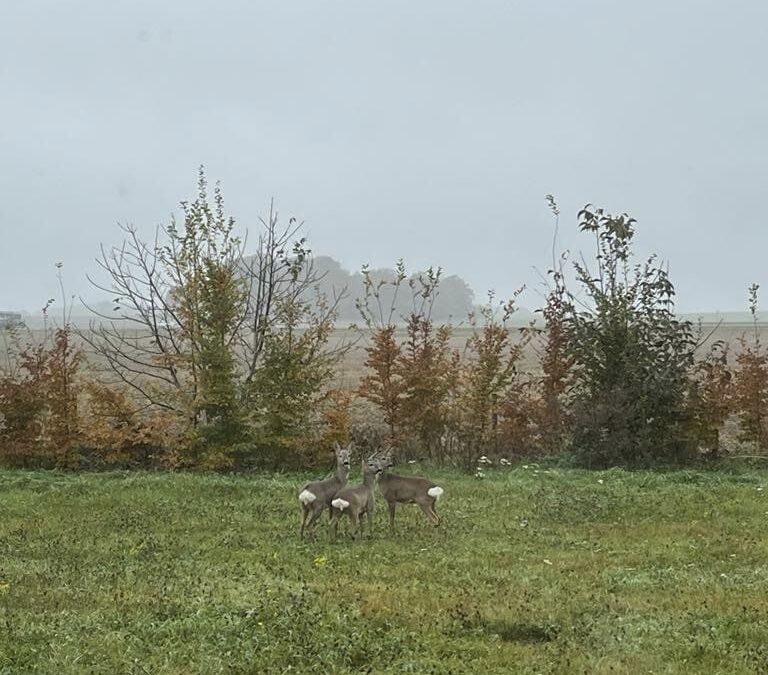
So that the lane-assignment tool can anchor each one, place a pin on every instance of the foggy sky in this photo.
(423, 129)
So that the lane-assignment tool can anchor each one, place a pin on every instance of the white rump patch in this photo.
(340, 504)
(307, 497)
(435, 492)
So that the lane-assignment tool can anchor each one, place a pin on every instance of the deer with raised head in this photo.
(358, 500)
(408, 490)
(315, 497)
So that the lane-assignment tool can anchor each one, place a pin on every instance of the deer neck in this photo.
(342, 473)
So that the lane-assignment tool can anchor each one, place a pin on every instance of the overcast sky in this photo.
(424, 129)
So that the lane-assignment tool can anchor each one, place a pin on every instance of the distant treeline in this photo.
(453, 301)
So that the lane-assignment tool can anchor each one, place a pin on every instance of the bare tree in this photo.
(193, 314)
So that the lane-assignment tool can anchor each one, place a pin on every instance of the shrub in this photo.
(750, 387)
(710, 399)
(117, 433)
(39, 411)
(631, 355)
(492, 411)
(285, 395)
(411, 381)
(215, 337)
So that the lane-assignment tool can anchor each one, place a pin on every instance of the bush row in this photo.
(214, 359)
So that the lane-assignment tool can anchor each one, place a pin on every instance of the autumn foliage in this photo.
(39, 401)
(232, 367)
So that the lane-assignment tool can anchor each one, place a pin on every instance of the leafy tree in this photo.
(208, 297)
(750, 387)
(488, 395)
(426, 369)
(410, 379)
(39, 400)
(710, 399)
(213, 336)
(631, 354)
(551, 346)
(285, 394)
(383, 385)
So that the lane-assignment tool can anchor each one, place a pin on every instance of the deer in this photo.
(358, 500)
(315, 497)
(408, 490)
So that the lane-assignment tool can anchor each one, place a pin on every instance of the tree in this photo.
(551, 347)
(488, 393)
(285, 394)
(631, 354)
(410, 380)
(750, 386)
(39, 398)
(197, 323)
(710, 399)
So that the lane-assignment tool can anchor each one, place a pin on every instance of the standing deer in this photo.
(408, 490)
(358, 501)
(316, 497)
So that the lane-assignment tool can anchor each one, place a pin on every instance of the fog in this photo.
(427, 130)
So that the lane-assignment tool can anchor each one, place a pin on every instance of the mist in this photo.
(430, 131)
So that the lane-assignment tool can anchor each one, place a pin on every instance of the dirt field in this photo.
(352, 368)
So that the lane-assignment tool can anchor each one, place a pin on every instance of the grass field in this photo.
(533, 571)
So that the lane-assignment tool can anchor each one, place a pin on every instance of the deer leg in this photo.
(434, 513)
(354, 519)
(429, 512)
(392, 507)
(316, 513)
(366, 516)
(304, 520)
(334, 524)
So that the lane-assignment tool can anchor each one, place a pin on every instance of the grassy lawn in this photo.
(532, 571)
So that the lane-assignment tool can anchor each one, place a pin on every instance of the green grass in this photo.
(533, 571)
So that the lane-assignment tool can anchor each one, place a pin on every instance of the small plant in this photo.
(489, 399)
(120, 434)
(750, 386)
(555, 360)
(410, 381)
(39, 393)
(383, 386)
(711, 399)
